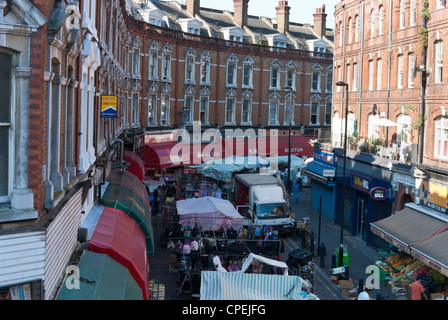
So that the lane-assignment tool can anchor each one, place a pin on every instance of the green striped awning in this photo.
(217, 285)
(102, 278)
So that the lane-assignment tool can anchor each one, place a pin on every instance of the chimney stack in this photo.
(283, 16)
(320, 21)
(240, 12)
(193, 7)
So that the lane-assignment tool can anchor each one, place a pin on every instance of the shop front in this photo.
(368, 195)
(419, 235)
(321, 171)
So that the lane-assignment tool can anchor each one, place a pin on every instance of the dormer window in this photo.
(192, 26)
(277, 40)
(236, 38)
(233, 34)
(280, 44)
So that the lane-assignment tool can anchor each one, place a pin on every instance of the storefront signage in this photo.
(324, 158)
(434, 196)
(328, 173)
(378, 193)
(360, 182)
(338, 270)
(108, 106)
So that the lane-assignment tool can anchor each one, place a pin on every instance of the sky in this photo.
(301, 10)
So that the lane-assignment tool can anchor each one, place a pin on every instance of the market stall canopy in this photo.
(103, 278)
(136, 166)
(300, 146)
(157, 155)
(216, 285)
(418, 234)
(118, 235)
(209, 213)
(127, 193)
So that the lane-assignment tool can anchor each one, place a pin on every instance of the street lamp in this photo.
(288, 178)
(341, 248)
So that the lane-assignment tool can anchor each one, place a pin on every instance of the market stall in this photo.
(242, 285)
(210, 214)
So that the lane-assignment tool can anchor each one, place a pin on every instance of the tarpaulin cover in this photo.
(119, 236)
(216, 285)
(136, 167)
(129, 195)
(102, 278)
(210, 213)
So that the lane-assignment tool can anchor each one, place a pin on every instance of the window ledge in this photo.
(8, 214)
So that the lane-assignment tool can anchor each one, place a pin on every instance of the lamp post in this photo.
(288, 181)
(341, 247)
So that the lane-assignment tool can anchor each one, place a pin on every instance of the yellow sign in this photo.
(108, 106)
(434, 196)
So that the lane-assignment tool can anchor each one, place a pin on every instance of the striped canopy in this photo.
(217, 285)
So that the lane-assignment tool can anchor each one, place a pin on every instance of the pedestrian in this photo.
(365, 295)
(296, 191)
(155, 195)
(417, 290)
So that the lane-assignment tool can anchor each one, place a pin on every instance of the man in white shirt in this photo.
(365, 295)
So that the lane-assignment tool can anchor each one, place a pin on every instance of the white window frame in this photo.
(232, 64)
(402, 14)
(205, 72)
(438, 74)
(400, 71)
(356, 28)
(204, 109)
(372, 23)
(189, 109)
(314, 114)
(136, 63)
(411, 69)
(289, 99)
(230, 101)
(355, 77)
(248, 112)
(152, 108)
(152, 66)
(413, 13)
(379, 73)
(381, 21)
(248, 73)
(273, 103)
(190, 66)
(165, 110)
(350, 35)
(441, 138)
(315, 81)
(403, 128)
(328, 111)
(135, 108)
(440, 4)
(371, 74)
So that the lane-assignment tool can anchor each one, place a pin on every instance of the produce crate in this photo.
(156, 291)
(436, 296)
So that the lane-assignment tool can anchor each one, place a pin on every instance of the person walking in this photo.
(296, 191)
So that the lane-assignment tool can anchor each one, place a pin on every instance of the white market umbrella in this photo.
(385, 122)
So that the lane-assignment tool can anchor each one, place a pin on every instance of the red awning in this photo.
(300, 146)
(137, 167)
(119, 236)
(157, 156)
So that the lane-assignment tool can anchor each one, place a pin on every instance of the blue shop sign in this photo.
(379, 193)
(361, 182)
(326, 159)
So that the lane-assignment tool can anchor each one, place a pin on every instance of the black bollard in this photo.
(361, 285)
(302, 236)
(333, 260)
(322, 252)
(312, 244)
(347, 276)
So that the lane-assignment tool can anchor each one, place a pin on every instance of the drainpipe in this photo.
(389, 68)
(121, 149)
(423, 92)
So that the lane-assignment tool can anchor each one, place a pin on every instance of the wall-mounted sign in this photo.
(329, 173)
(108, 106)
(324, 158)
(360, 182)
(379, 193)
(434, 196)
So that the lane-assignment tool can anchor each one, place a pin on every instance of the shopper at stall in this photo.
(417, 290)
(155, 195)
(365, 295)
(427, 283)
(296, 191)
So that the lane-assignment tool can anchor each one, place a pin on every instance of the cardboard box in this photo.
(346, 284)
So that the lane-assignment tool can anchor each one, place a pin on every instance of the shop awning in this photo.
(118, 235)
(131, 198)
(136, 166)
(319, 173)
(157, 155)
(102, 278)
(417, 234)
(300, 146)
